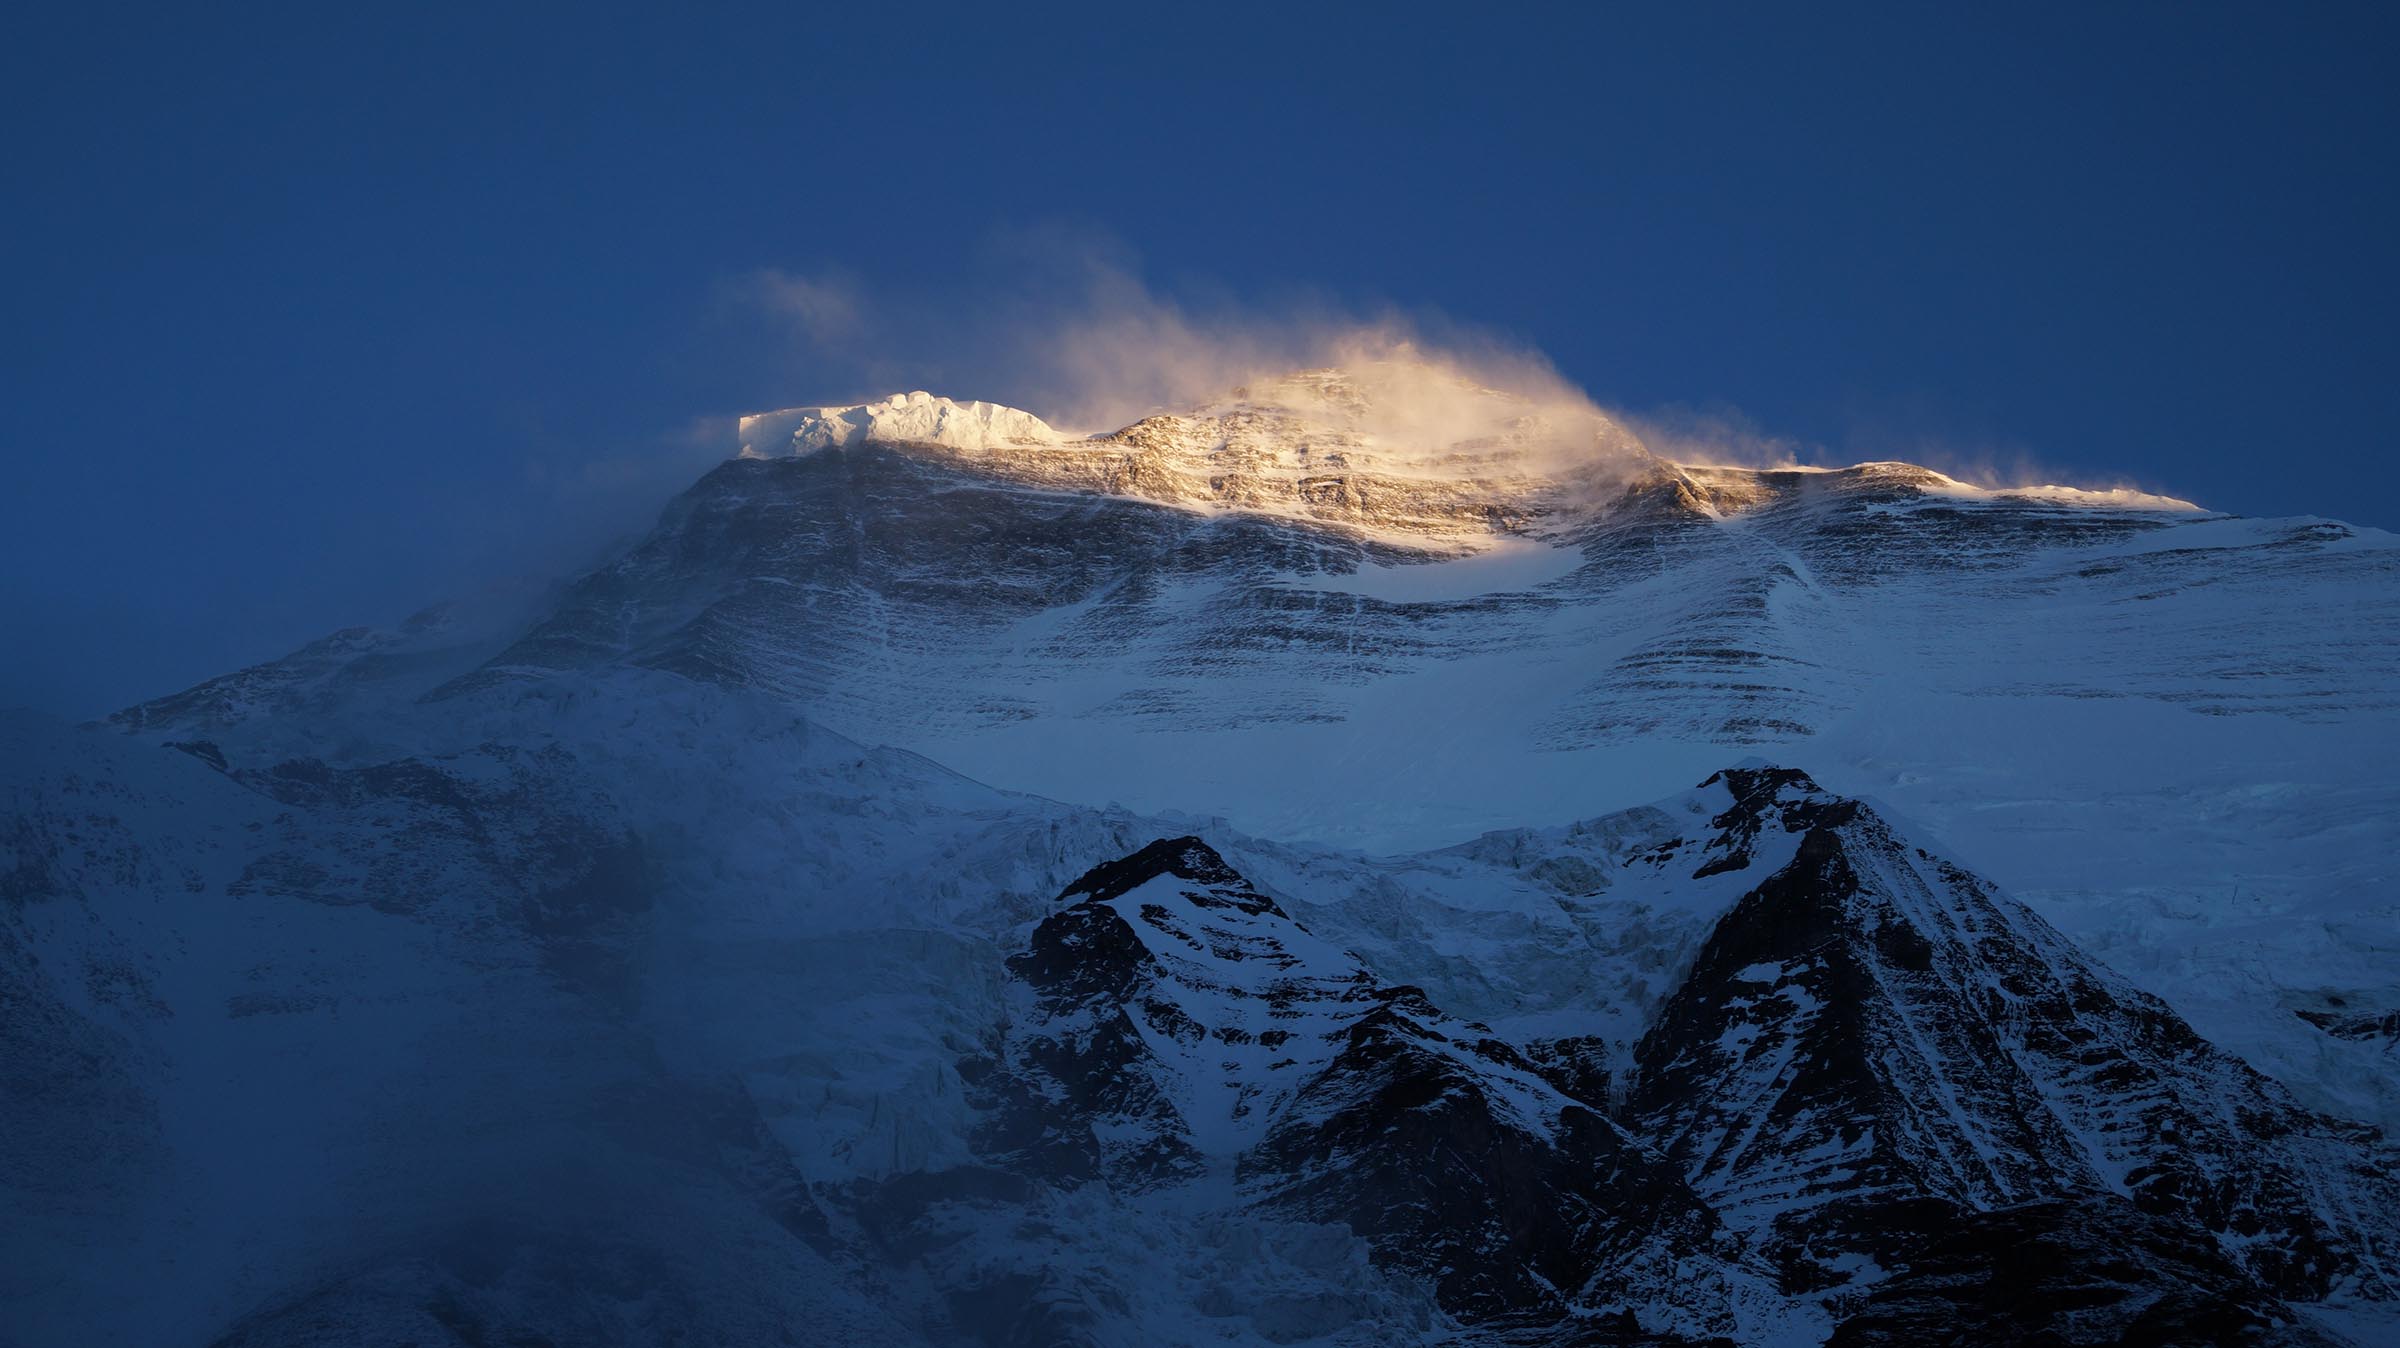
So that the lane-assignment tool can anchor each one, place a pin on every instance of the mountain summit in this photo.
(1393, 425)
(1410, 451)
(903, 419)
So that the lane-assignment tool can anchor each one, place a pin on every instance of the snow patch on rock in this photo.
(918, 418)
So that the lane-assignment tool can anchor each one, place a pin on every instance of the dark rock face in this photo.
(2063, 1272)
(1408, 1145)
(1581, 1066)
(84, 1134)
(1088, 1058)
(1873, 1043)
(2346, 1023)
(1178, 1007)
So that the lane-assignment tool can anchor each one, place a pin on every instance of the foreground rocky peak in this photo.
(1184, 1030)
(1873, 1040)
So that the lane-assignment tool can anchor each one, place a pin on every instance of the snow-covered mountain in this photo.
(1469, 611)
(1294, 960)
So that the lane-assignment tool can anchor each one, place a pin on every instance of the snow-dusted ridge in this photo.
(1394, 420)
(1941, 486)
(918, 418)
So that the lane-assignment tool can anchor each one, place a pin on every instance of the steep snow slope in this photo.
(291, 1037)
(502, 1033)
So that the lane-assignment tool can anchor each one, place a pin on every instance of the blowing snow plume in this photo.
(1068, 331)
(1072, 348)
(1388, 440)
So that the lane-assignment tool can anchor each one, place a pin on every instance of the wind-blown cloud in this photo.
(1066, 326)
(1063, 323)
(821, 309)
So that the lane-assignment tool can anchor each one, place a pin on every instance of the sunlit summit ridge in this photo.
(1393, 428)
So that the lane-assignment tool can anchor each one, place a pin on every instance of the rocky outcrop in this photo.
(1873, 1042)
(1184, 1024)
(2063, 1273)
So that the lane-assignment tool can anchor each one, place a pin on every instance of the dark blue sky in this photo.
(314, 314)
